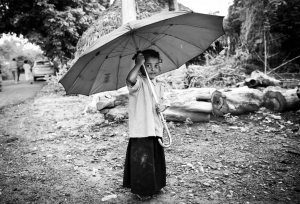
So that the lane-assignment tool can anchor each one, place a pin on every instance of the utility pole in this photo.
(173, 5)
(128, 11)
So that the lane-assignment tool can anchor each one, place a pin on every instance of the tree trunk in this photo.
(191, 94)
(193, 106)
(181, 115)
(173, 5)
(108, 99)
(128, 11)
(236, 101)
(280, 100)
(258, 78)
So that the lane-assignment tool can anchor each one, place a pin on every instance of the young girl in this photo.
(27, 69)
(145, 166)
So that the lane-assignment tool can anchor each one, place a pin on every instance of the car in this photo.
(42, 68)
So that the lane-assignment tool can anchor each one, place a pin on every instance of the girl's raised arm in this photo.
(131, 78)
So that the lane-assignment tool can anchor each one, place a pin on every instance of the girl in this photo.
(27, 69)
(145, 166)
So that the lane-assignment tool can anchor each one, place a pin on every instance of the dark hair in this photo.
(149, 53)
(14, 59)
(25, 61)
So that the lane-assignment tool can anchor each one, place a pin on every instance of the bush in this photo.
(54, 80)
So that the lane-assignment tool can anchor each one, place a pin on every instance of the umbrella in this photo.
(178, 36)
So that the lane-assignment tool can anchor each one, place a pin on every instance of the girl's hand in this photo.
(140, 59)
(160, 108)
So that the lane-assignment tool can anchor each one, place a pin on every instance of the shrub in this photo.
(54, 80)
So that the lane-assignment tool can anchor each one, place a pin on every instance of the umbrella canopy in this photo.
(178, 37)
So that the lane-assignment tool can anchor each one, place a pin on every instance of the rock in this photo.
(12, 139)
(106, 103)
(79, 162)
(117, 113)
(297, 189)
(106, 198)
(107, 99)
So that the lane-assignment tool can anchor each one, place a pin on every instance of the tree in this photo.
(173, 5)
(110, 20)
(54, 25)
(16, 47)
(248, 19)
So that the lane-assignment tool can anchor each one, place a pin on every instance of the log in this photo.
(191, 94)
(180, 115)
(279, 99)
(258, 78)
(236, 101)
(240, 84)
(187, 103)
(193, 106)
(111, 99)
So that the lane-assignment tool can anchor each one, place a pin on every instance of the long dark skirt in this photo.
(145, 166)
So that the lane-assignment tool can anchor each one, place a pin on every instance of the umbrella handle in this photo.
(161, 115)
(169, 134)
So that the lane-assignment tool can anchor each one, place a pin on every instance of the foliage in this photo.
(52, 24)
(279, 20)
(231, 119)
(110, 20)
(16, 47)
(54, 80)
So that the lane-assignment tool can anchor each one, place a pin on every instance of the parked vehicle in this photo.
(42, 68)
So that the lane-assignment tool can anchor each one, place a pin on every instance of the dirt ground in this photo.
(50, 152)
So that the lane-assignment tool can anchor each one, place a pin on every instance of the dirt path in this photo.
(52, 153)
(17, 93)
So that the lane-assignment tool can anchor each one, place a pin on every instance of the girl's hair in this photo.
(25, 61)
(149, 53)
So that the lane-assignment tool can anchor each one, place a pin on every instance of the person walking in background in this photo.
(19, 70)
(27, 70)
(14, 69)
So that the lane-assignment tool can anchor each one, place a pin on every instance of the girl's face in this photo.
(152, 66)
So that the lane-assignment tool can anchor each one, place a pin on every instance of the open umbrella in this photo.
(178, 36)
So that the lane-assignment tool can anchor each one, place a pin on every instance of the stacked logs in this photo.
(197, 104)
(236, 101)
(191, 103)
(279, 99)
(256, 91)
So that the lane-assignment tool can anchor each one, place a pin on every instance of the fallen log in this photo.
(258, 78)
(193, 106)
(236, 101)
(187, 103)
(279, 99)
(108, 99)
(181, 115)
(191, 94)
